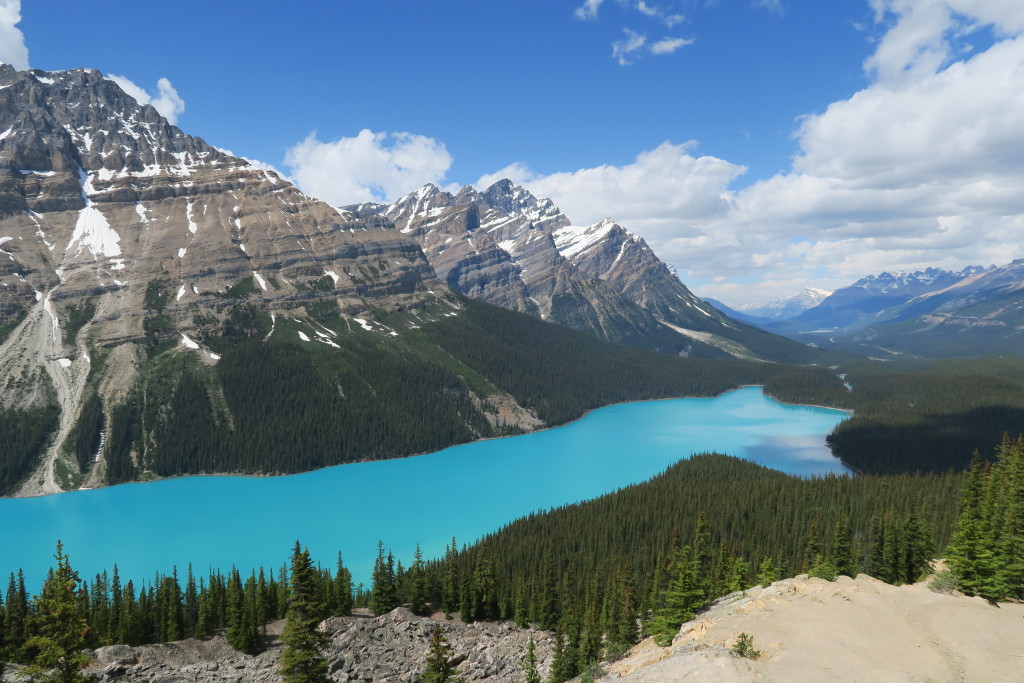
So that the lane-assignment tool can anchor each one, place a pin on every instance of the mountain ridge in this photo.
(505, 246)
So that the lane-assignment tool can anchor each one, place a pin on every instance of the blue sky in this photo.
(758, 145)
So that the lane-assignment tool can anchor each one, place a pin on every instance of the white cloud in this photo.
(588, 10)
(518, 172)
(167, 101)
(368, 167)
(667, 46)
(664, 192)
(13, 50)
(923, 167)
(773, 6)
(622, 49)
(649, 10)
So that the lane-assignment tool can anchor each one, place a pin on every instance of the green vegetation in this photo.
(661, 550)
(26, 434)
(927, 416)
(77, 316)
(49, 630)
(986, 555)
(58, 627)
(744, 646)
(302, 659)
(13, 320)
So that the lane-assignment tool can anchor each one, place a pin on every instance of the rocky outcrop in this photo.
(848, 630)
(390, 648)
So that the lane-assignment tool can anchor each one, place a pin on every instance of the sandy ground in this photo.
(849, 630)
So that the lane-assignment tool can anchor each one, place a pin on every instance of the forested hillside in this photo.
(275, 401)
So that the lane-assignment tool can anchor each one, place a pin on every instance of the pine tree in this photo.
(342, 590)
(842, 555)
(17, 617)
(530, 664)
(440, 662)
(418, 585)
(767, 574)
(686, 593)
(302, 660)
(450, 581)
(484, 586)
(384, 597)
(59, 626)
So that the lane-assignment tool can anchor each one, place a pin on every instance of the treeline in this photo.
(927, 416)
(285, 405)
(651, 554)
(561, 373)
(168, 608)
(655, 553)
(986, 555)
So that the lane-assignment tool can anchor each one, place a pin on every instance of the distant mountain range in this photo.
(933, 313)
(781, 308)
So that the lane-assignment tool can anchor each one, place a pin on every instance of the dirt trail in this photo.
(849, 630)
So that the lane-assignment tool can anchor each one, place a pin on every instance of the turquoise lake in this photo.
(465, 491)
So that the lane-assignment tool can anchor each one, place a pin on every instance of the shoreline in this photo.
(155, 479)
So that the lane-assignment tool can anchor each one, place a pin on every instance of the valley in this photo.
(472, 415)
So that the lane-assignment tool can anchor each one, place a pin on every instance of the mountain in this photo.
(168, 309)
(866, 301)
(507, 247)
(783, 308)
(977, 315)
(123, 237)
(932, 313)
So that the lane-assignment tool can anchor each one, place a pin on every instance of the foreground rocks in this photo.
(391, 647)
(849, 630)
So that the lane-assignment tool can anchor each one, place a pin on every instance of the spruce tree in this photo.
(531, 675)
(842, 555)
(686, 594)
(384, 596)
(342, 590)
(450, 581)
(440, 662)
(59, 626)
(418, 585)
(302, 660)
(767, 574)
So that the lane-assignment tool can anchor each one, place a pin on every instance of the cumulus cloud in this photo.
(13, 50)
(922, 167)
(167, 101)
(664, 192)
(371, 166)
(588, 10)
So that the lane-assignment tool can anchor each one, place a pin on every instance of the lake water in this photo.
(465, 491)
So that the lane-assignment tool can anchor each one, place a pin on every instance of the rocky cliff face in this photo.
(117, 227)
(509, 248)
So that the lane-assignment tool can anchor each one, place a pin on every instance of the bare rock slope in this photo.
(849, 630)
(392, 647)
